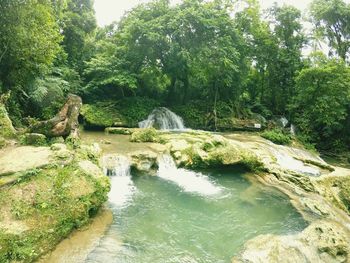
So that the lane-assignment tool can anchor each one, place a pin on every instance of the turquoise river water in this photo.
(182, 216)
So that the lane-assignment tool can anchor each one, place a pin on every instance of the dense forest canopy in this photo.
(229, 57)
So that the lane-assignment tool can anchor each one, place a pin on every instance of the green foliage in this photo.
(277, 136)
(79, 23)
(331, 19)
(145, 135)
(30, 40)
(166, 51)
(322, 104)
(101, 114)
(33, 139)
(194, 114)
(6, 128)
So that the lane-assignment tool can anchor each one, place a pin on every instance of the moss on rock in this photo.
(123, 113)
(35, 139)
(47, 203)
(198, 149)
(122, 131)
(101, 114)
(145, 135)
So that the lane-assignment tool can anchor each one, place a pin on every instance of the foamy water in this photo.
(118, 168)
(189, 181)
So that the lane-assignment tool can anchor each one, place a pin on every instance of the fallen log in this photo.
(65, 123)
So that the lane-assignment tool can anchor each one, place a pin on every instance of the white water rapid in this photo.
(118, 168)
(163, 119)
(284, 121)
(189, 181)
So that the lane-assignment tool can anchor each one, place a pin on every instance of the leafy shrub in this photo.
(35, 139)
(193, 114)
(277, 136)
(145, 135)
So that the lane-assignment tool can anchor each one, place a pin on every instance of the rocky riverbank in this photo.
(319, 191)
(46, 191)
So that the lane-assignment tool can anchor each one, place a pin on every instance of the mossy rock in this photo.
(235, 124)
(35, 139)
(145, 135)
(101, 115)
(121, 131)
(123, 113)
(47, 205)
(6, 128)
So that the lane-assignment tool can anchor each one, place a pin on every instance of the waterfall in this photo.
(189, 181)
(163, 119)
(118, 168)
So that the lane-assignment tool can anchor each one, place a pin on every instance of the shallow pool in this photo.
(162, 219)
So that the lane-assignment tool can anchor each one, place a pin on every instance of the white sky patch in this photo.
(108, 11)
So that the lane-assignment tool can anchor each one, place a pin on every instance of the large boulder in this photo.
(47, 199)
(127, 112)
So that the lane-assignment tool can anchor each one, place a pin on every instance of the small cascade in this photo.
(163, 119)
(118, 168)
(189, 181)
(292, 129)
(292, 164)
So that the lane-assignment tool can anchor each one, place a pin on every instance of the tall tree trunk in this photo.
(171, 94)
(215, 106)
(65, 123)
(186, 90)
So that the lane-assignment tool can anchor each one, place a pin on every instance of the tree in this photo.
(29, 39)
(29, 44)
(78, 24)
(321, 107)
(332, 19)
(170, 49)
(287, 61)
